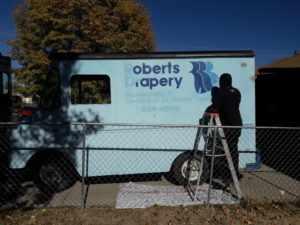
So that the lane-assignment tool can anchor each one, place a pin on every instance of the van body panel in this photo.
(144, 89)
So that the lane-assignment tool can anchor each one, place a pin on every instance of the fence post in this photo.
(212, 164)
(83, 167)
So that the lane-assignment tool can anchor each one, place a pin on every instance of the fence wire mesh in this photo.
(137, 166)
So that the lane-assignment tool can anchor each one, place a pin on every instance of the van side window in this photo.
(90, 89)
(50, 98)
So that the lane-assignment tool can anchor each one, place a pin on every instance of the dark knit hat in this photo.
(225, 80)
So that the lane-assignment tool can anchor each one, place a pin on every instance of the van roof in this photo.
(153, 55)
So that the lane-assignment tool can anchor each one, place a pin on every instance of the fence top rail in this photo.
(147, 125)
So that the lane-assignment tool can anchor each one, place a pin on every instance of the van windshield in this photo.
(50, 98)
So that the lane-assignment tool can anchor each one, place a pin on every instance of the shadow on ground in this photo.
(18, 190)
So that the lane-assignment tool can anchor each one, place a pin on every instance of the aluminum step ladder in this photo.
(209, 124)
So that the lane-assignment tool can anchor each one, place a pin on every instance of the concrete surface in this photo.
(264, 184)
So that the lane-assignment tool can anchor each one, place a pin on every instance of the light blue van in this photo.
(108, 89)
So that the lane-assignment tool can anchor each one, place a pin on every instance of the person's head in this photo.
(225, 80)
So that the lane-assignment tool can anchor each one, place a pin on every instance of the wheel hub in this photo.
(191, 169)
(49, 175)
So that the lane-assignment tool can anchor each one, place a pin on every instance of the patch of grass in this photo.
(247, 212)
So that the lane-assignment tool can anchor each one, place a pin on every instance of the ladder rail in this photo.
(195, 149)
(229, 158)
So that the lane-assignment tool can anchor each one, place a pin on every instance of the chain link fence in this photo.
(137, 166)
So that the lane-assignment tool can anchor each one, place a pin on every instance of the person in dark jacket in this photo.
(227, 105)
(214, 98)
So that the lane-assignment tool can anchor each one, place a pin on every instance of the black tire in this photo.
(54, 175)
(180, 171)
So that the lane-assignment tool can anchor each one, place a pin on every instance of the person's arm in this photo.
(239, 96)
(217, 102)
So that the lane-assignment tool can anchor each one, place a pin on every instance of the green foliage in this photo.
(59, 26)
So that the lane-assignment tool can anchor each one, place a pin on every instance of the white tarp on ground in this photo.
(132, 195)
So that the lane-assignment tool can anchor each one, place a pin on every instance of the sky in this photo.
(271, 28)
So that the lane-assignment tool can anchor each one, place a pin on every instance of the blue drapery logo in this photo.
(204, 78)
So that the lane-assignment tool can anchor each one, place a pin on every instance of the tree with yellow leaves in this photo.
(60, 26)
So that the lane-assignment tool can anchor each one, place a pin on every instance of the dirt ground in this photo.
(244, 213)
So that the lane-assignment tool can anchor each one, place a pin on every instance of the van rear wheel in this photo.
(186, 168)
(54, 175)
